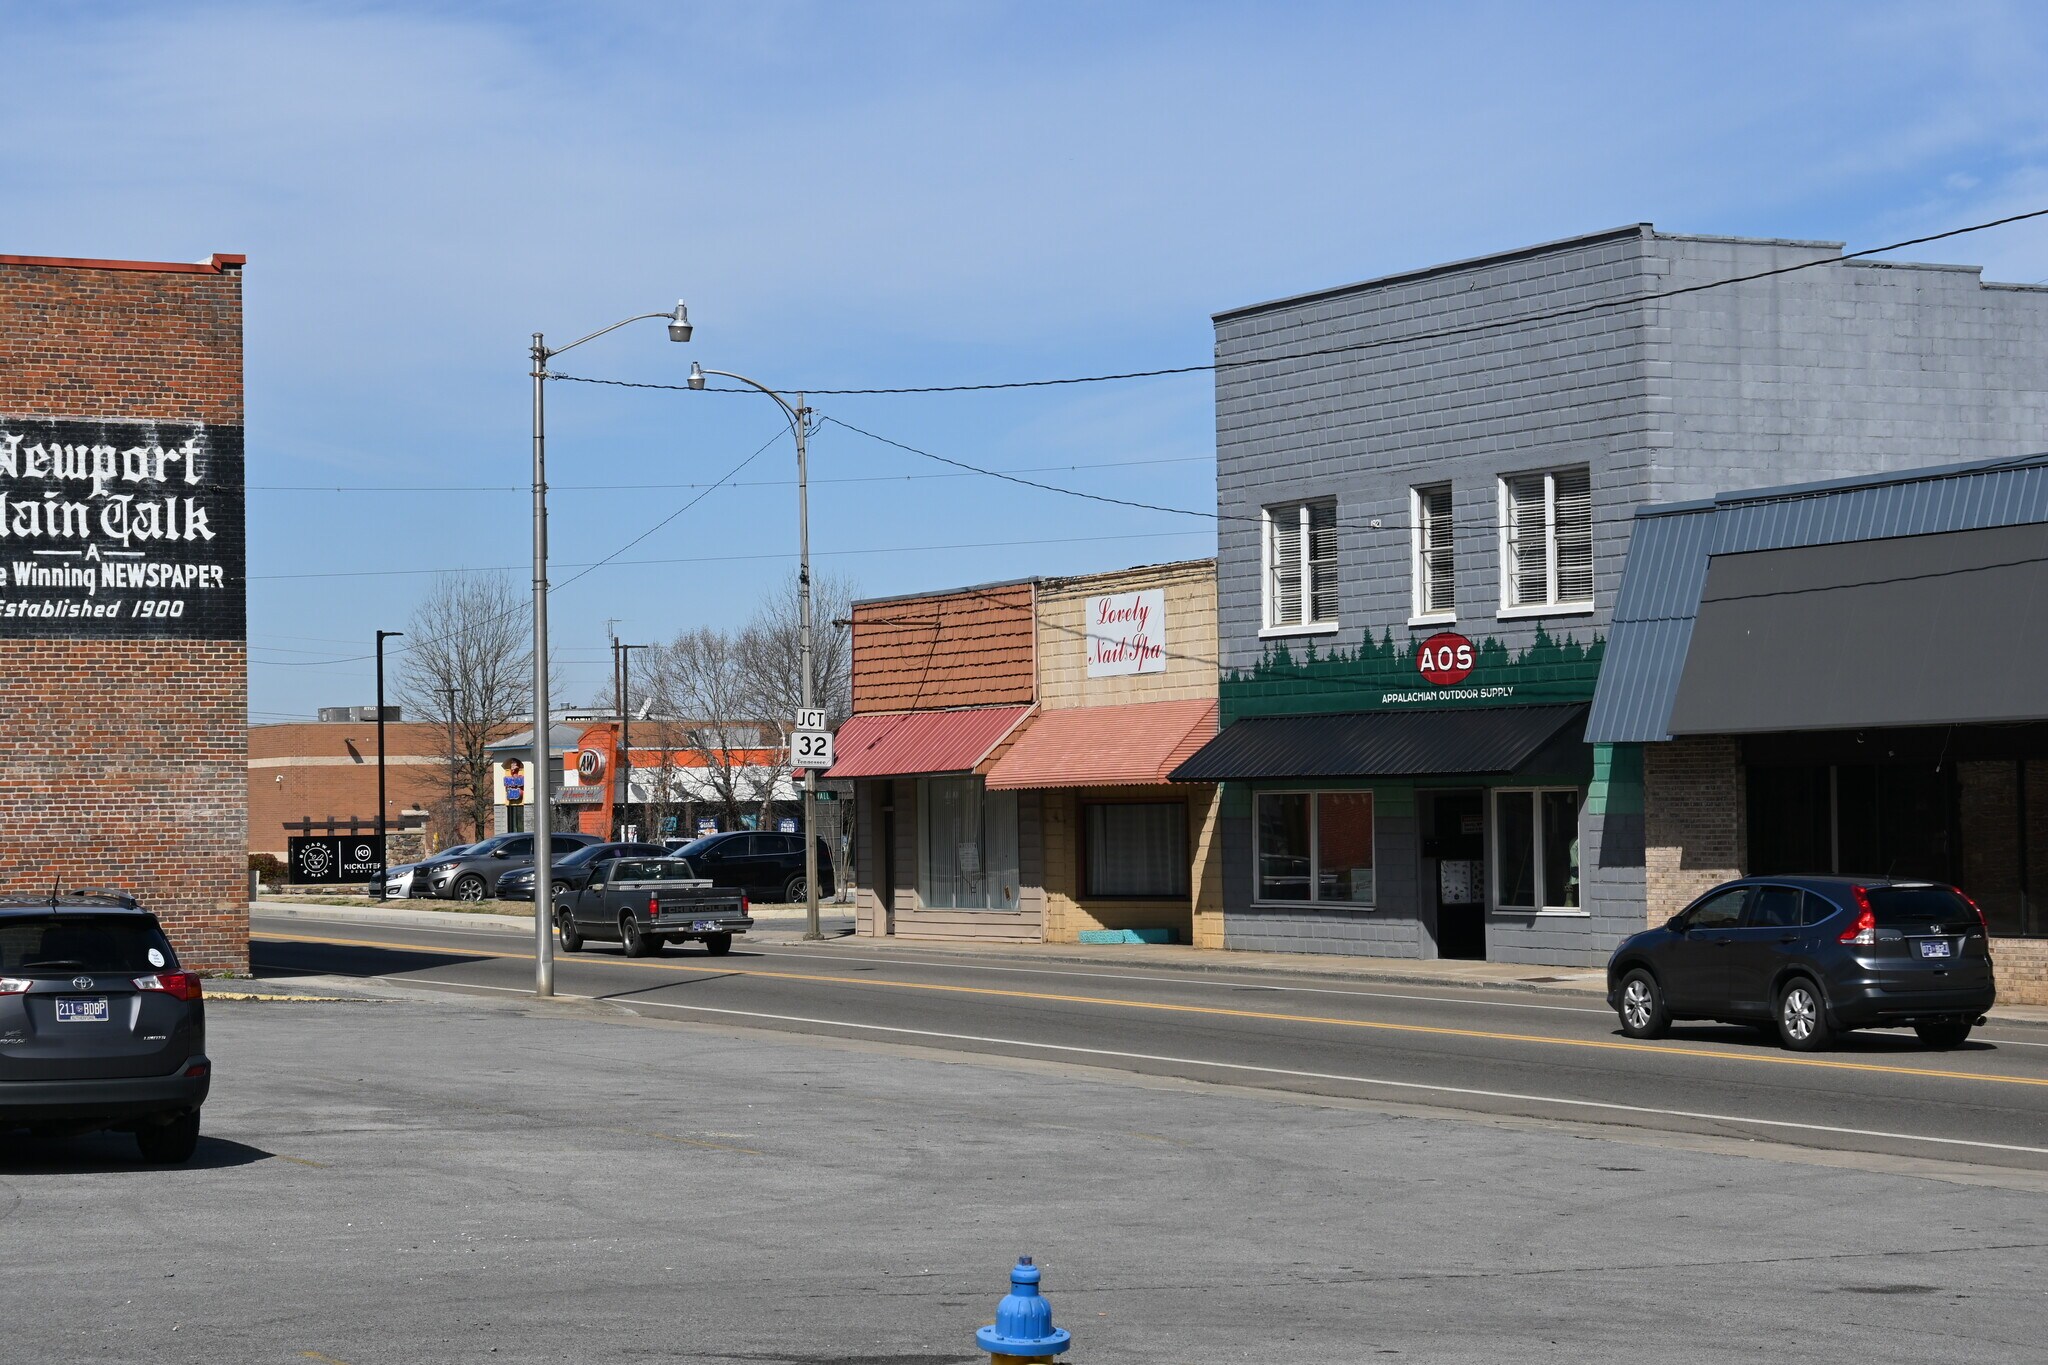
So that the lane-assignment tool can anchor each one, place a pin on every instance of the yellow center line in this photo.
(1217, 1011)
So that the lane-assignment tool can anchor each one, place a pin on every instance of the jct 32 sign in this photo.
(120, 529)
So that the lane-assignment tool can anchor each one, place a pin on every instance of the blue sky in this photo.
(883, 194)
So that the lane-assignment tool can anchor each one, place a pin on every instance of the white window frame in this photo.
(1510, 609)
(1494, 860)
(1418, 577)
(1270, 627)
(1315, 821)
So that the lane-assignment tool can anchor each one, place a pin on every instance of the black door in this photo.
(1695, 965)
(1455, 847)
(885, 880)
(1769, 935)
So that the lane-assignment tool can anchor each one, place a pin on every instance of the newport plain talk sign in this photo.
(120, 529)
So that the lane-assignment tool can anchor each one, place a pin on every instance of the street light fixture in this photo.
(799, 417)
(383, 838)
(543, 884)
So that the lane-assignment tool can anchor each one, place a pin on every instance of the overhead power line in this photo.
(1353, 347)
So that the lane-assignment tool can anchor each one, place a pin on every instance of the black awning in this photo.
(1937, 629)
(1471, 740)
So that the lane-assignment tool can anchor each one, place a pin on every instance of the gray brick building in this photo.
(1426, 485)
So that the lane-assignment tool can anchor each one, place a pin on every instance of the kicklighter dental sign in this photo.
(121, 529)
(1127, 633)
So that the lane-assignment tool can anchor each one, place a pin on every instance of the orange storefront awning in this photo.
(1106, 746)
(910, 743)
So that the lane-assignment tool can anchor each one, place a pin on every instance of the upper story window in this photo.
(1301, 565)
(1546, 537)
(1436, 589)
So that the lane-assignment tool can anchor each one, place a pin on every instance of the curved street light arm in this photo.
(788, 411)
(550, 352)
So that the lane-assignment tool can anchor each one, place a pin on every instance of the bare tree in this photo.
(773, 661)
(701, 679)
(467, 666)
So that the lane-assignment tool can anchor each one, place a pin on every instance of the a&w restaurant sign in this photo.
(1127, 633)
(120, 529)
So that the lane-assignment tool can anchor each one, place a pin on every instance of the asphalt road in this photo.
(1492, 1053)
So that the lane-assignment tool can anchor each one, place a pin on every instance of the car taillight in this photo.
(746, 906)
(14, 985)
(653, 905)
(177, 985)
(1864, 930)
(1983, 925)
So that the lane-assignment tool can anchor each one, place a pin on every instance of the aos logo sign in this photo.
(1446, 658)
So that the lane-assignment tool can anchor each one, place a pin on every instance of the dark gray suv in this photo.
(473, 874)
(99, 1026)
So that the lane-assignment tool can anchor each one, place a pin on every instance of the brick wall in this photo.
(318, 770)
(1693, 835)
(123, 761)
(2022, 965)
(1188, 634)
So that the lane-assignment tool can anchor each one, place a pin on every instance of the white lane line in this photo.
(1189, 980)
(1361, 1080)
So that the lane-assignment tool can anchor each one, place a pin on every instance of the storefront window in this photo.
(967, 845)
(1536, 849)
(1316, 846)
(1135, 850)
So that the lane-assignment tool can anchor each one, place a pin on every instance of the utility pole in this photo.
(455, 806)
(383, 839)
(626, 726)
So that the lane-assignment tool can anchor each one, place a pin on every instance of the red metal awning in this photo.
(910, 743)
(1106, 746)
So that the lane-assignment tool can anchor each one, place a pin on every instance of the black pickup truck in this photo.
(647, 903)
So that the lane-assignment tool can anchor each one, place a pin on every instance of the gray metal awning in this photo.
(1949, 628)
(1448, 740)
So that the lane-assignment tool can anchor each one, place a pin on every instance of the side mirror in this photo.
(1676, 924)
(500, 852)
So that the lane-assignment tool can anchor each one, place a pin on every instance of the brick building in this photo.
(1010, 747)
(123, 654)
(1426, 487)
(320, 777)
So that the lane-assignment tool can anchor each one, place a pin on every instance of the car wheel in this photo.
(169, 1143)
(718, 944)
(561, 890)
(565, 930)
(637, 944)
(1803, 1016)
(1641, 1007)
(793, 890)
(1943, 1033)
(470, 888)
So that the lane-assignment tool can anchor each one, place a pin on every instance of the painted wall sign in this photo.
(1446, 658)
(124, 530)
(1127, 633)
(1295, 678)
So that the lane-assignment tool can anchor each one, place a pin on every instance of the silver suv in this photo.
(473, 874)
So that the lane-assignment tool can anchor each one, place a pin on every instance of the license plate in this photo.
(705, 926)
(82, 1011)
(1934, 947)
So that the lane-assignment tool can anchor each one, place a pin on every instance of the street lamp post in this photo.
(799, 417)
(383, 838)
(543, 882)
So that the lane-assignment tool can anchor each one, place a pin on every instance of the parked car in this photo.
(99, 1026)
(473, 875)
(572, 870)
(647, 904)
(768, 867)
(404, 879)
(1812, 957)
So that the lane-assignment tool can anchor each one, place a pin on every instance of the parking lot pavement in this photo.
(426, 1180)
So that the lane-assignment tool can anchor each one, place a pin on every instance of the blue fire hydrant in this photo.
(1023, 1329)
